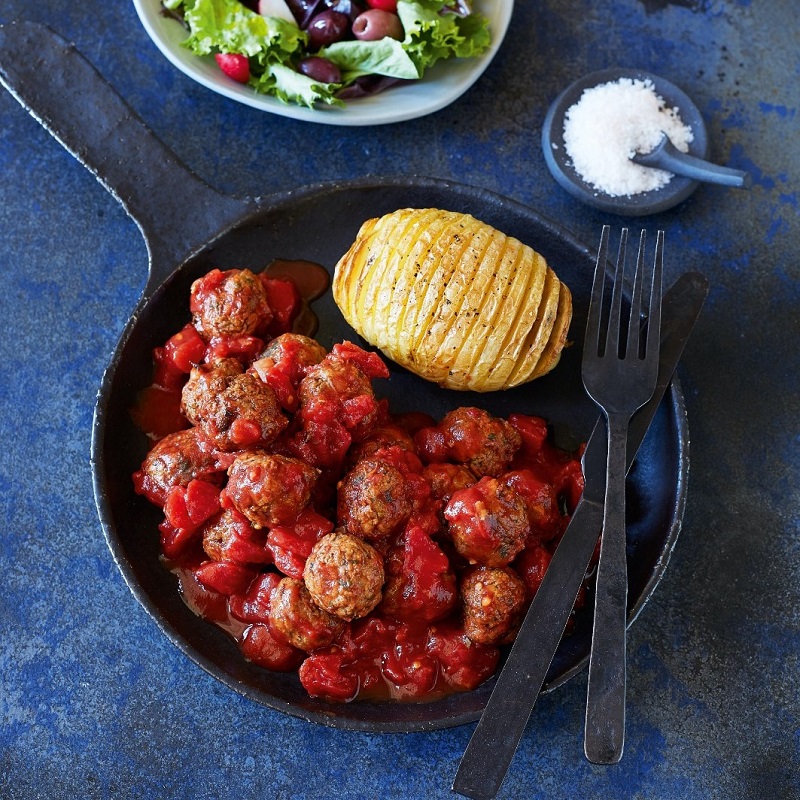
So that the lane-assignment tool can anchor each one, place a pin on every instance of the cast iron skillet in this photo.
(190, 228)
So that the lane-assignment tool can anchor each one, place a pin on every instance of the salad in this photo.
(312, 52)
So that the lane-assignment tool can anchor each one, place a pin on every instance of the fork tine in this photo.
(615, 313)
(592, 337)
(635, 322)
(654, 308)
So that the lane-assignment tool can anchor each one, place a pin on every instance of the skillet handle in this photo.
(175, 210)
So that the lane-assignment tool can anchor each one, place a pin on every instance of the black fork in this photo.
(620, 369)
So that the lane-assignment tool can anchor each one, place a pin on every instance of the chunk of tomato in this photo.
(185, 349)
(260, 646)
(327, 675)
(284, 300)
(254, 606)
(464, 663)
(191, 505)
(225, 577)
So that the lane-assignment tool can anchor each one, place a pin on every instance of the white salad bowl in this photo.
(441, 85)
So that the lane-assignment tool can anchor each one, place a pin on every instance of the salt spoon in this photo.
(667, 157)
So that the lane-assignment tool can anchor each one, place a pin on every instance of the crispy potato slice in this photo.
(396, 280)
(558, 337)
(505, 345)
(539, 334)
(441, 271)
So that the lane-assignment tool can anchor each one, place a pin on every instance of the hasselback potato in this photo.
(453, 299)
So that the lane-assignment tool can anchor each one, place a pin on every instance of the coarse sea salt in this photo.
(612, 122)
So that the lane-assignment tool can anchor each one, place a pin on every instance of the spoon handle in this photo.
(673, 160)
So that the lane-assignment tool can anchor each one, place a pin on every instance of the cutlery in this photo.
(666, 156)
(620, 371)
(498, 732)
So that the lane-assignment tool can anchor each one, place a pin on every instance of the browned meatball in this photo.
(228, 536)
(487, 522)
(334, 379)
(230, 303)
(269, 489)
(292, 352)
(486, 444)
(234, 409)
(494, 600)
(344, 575)
(444, 479)
(340, 384)
(373, 500)
(175, 460)
(386, 435)
(284, 363)
(297, 618)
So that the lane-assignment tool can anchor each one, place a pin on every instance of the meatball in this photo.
(292, 352)
(230, 537)
(340, 384)
(300, 621)
(486, 444)
(333, 380)
(487, 522)
(541, 503)
(234, 409)
(230, 303)
(444, 479)
(373, 500)
(344, 575)
(175, 460)
(337, 406)
(284, 363)
(494, 600)
(269, 489)
(385, 435)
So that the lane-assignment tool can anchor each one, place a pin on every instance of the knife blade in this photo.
(496, 737)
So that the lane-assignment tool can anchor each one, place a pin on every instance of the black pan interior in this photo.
(319, 224)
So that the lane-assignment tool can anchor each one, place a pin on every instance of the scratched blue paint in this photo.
(779, 110)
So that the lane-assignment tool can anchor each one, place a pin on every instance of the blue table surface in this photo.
(96, 703)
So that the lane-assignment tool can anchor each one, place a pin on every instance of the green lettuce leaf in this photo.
(431, 36)
(382, 57)
(226, 26)
(290, 86)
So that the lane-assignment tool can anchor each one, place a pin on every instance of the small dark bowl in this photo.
(635, 205)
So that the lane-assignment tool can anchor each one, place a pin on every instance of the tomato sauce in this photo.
(466, 498)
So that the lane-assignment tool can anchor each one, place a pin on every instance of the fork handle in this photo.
(604, 735)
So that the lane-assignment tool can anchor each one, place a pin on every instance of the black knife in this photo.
(500, 728)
